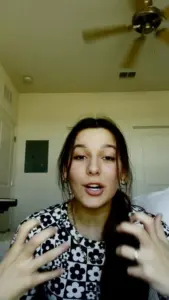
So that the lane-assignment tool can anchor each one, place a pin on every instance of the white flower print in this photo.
(67, 224)
(65, 255)
(75, 290)
(94, 274)
(56, 213)
(90, 296)
(77, 254)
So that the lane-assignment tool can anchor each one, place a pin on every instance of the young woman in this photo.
(103, 260)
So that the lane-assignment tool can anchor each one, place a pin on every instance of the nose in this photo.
(93, 167)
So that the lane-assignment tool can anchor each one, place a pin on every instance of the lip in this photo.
(94, 193)
(94, 183)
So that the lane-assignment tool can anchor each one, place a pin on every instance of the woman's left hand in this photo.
(153, 255)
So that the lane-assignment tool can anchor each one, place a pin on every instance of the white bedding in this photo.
(156, 202)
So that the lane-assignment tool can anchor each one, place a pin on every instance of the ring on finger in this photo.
(136, 255)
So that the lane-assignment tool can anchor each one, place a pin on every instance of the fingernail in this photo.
(37, 222)
(54, 230)
(62, 271)
(160, 215)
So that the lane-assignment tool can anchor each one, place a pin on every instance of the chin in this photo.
(93, 203)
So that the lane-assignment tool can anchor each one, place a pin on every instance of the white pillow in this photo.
(156, 202)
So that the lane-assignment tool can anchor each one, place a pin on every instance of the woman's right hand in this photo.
(152, 257)
(19, 268)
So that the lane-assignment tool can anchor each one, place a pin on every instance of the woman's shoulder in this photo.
(53, 216)
(48, 215)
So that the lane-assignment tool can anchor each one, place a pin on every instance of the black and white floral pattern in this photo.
(75, 290)
(46, 219)
(48, 245)
(78, 255)
(82, 261)
(94, 273)
(77, 272)
(57, 286)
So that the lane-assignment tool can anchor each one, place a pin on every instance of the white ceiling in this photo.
(42, 38)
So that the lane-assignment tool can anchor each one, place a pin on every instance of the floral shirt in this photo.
(82, 262)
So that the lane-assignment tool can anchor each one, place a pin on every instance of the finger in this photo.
(135, 272)
(159, 228)
(147, 221)
(49, 256)
(135, 230)
(24, 231)
(126, 252)
(21, 236)
(40, 278)
(37, 240)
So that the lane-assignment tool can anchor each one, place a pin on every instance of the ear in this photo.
(123, 178)
(65, 175)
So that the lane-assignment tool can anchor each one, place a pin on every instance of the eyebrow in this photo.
(103, 146)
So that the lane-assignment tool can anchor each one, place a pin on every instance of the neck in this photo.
(90, 222)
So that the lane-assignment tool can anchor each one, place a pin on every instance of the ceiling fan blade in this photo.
(133, 53)
(163, 35)
(165, 12)
(142, 4)
(98, 33)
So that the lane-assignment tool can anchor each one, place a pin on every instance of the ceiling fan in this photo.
(146, 19)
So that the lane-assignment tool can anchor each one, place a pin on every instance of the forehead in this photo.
(95, 137)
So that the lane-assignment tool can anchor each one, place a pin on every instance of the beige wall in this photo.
(8, 117)
(47, 116)
(9, 108)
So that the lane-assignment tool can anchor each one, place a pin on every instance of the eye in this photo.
(79, 157)
(109, 158)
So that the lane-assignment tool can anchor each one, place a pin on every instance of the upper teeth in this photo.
(94, 185)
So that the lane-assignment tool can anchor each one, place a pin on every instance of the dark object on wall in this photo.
(127, 75)
(36, 156)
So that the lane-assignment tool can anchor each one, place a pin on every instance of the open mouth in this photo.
(94, 189)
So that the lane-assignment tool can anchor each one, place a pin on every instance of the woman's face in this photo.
(93, 173)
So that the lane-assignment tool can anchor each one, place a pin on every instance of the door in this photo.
(150, 159)
(6, 154)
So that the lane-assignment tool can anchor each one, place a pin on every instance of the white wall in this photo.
(10, 108)
(9, 111)
(47, 116)
(8, 121)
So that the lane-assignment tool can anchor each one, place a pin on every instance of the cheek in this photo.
(75, 173)
(111, 179)
(110, 172)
